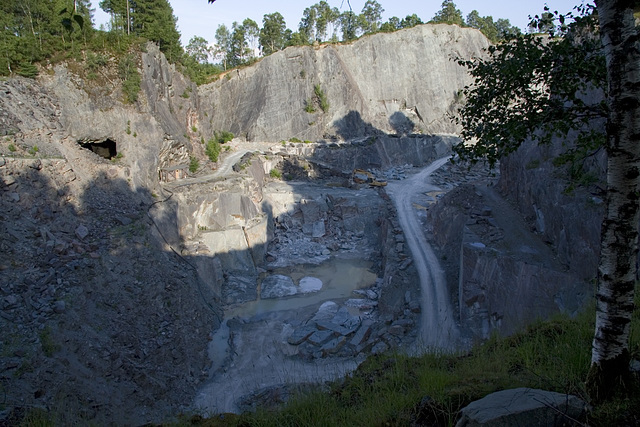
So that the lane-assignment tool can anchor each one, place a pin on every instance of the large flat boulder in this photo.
(523, 407)
(277, 286)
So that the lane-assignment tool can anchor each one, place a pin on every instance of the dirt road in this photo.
(438, 329)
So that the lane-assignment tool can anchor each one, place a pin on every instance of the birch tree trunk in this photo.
(619, 247)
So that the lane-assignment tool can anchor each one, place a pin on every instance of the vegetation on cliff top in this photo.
(35, 32)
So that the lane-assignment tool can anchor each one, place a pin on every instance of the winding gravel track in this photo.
(438, 329)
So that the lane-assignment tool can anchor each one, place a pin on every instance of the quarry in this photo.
(132, 289)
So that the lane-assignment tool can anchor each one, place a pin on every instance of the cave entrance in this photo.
(104, 148)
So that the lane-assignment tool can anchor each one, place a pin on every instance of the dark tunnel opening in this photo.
(106, 148)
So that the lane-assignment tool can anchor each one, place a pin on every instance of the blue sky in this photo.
(197, 17)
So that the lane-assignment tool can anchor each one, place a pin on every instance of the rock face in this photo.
(92, 301)
(523, 406)
(505, 275)
(398, 83)
(564, 212)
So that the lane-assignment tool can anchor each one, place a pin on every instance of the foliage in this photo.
(272, 34)
(275, 173)
(223, 43)
(96, 61)
(351, 25)
(194, 164)
(494, 31)
(198, 49)
(151, 19)
(308, 106)
(32, 31)
(49, 346)
(130, 76)
(538, 88)
(27, 70)
(321, 96)
(222, 137)
(372, 14)
(448, 14)
(212, 150)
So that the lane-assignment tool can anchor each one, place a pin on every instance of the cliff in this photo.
(400, 83)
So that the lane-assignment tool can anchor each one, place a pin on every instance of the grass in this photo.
(388, 389)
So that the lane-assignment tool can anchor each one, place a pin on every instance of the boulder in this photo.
(277, 286)
(523, 406)
(310, 284)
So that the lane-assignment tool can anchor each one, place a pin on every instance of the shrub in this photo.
(322, 98)
(275, 173)
(223, 136)
(12, 148)
(294, 139)
(96, 61)
(34, 150)
(28, 70)
(212, 150)
(194, 164)
(308, 106)
(128, 73)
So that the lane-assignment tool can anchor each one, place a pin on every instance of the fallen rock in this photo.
(82, 232)
(300, 335)
(59, 306)
(327, 311)
(319, 338)
(310, 284)
(361, 303)
(277, 286)
(523, 406)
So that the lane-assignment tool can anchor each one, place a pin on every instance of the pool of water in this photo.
(340, 277)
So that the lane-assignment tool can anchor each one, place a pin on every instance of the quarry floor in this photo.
(253, 361)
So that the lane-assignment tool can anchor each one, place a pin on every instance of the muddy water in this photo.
(340, 277)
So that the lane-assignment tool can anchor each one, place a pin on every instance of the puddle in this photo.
(340, 277)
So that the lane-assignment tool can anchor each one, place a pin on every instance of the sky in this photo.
(199, 18)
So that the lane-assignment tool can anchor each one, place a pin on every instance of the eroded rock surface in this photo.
(370, 86)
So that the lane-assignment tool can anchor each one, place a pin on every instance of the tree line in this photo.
(33, 31)
(244, 42)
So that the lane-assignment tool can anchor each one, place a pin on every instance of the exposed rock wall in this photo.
(566, 214)
(504, 273)
(82, 261)
(396, 83)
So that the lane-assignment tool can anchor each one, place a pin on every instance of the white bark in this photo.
(619, 246)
